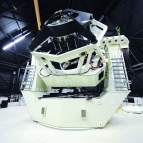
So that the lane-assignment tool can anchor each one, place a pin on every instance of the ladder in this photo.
(119, 74)
(28, 77)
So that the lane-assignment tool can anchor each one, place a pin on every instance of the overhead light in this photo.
(15, 41)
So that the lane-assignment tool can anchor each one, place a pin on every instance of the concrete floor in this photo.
(17, 127)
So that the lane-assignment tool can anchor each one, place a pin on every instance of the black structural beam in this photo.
(137, 65)
(118, 6)
(17, 13)
(17, 79)
(127, 21)
(3, 63)
(111, 3)
(19, 54)
(26, 30)
(17, 59)
(4, 32)
(9, 4)
(8, 17)
(4, 81)
(10, 8)
(25, 62)
(138, 69)
(115, 23)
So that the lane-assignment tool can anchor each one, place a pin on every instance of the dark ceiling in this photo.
(17, 17)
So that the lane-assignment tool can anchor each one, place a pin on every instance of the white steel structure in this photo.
(69, 96)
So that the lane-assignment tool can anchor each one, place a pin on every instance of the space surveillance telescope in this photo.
(76, 78)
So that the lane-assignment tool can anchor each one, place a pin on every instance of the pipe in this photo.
(36, 5)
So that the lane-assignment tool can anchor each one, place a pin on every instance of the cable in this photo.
(44, 75)
(61, 75)
(99, 65)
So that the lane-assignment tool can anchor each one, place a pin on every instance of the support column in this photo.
(36, 5)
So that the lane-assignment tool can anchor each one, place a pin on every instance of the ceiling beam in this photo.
(136, 65)
(125, 32)
(4, 33)
(19, 54)
(11, 65)
(17, 4)
(9, 4)
(3, 63)
(8, 17)
(111, 3)
(4, 81)
(26, 31)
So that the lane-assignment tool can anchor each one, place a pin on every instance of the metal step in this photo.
(29, 68)
(30, 71)
(28, 80)
(28, 77)
(119, 70)
(117, 59)
(118, 62)
(118, 66)
(119, 74)
(120, 87)
(26, 88)
(121, 82)
(120, 78)
(25, 84)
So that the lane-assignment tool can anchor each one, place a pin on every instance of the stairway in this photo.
(119, 74)
(28, 77)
